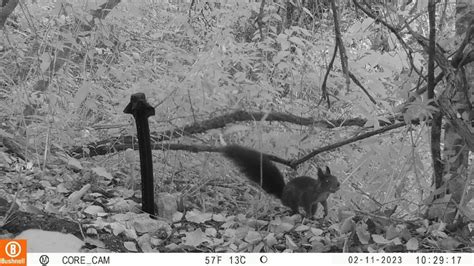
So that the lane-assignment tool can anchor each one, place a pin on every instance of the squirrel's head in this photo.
(328, 181)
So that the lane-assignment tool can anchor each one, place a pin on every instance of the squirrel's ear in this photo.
(320, 172)
(328, 171)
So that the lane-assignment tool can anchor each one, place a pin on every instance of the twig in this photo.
(347, 141)
(260, 20)
(357, 82)
(340, 44)
(324, 90)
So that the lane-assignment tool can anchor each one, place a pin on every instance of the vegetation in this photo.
(381, 91)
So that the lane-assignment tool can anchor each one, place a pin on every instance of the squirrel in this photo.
(302, 191)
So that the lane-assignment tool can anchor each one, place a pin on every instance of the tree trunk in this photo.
(456, 153)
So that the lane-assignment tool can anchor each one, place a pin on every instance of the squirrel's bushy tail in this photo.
(257, 167)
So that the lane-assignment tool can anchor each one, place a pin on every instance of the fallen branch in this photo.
(119, 143)
(291, 163)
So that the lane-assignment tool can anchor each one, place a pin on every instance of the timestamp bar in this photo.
(264, 259)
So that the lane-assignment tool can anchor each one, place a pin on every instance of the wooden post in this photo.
(141, 110)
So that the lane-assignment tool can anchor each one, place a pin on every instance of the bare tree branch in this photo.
(345, 142)
(395, 31)
(437, 117)
(340, 43)
(357, 82)
(324, 89)
(116, 144)
(260, 20)
(291, 163)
